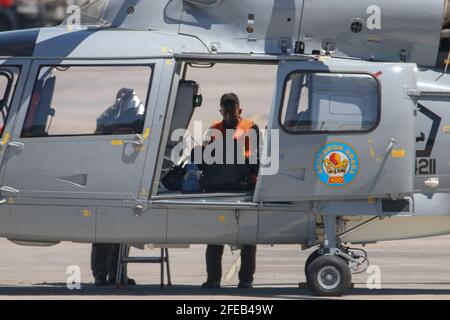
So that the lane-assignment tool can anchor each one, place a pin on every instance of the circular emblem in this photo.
(337, 164)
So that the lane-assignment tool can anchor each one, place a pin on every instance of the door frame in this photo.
(17, 92)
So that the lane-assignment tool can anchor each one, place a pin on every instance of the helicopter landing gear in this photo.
(329, 269)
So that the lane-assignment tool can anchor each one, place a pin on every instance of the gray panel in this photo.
(405, 25)
(153, 15)
(398, 228)
(248, 227)
(47, 223)
(224, 26)
(433, 81)
(111, 171)
(202, 226)
(436, 204)
(380, 172)
(253, 26)
(432, 142)
(283, 227)
(60, 43)
(371, 207)
(123, 225)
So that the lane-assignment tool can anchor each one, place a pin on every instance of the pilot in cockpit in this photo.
(125, 116)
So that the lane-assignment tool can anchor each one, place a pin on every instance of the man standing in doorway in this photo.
(246, 175)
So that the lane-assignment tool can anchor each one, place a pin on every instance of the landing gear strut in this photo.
(327, 270)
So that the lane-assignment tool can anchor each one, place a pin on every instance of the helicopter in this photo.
(359, 119)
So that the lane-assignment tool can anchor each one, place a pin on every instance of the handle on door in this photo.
(389, 147)
(15, 144)
(9, 189)
(18, 145)
(138, 142)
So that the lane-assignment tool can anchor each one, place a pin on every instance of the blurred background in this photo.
(20, 14)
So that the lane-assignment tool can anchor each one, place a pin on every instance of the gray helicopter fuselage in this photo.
(394, 127)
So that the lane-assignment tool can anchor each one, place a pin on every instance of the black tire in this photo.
(329, 275)
(313, 256)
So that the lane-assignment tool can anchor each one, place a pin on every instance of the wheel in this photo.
(314, 255)
(329, 275)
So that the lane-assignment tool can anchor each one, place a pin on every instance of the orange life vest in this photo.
(241, 130)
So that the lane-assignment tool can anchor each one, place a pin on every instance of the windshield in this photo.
(92, 12)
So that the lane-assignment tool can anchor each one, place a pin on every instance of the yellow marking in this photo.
(5, 138)
(222, 218)
(86, 213)
(117, 142)
(164, 49)
(374, 38)
(373, 153)
(169, 62)
(370, 200)
(146, 133)
(324, 58)
(398, 153)
(447, 129)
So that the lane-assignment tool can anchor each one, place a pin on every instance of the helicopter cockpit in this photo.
(119, 109)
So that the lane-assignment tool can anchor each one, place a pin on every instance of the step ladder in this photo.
(124, 259)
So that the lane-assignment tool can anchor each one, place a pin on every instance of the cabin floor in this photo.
(219, 197)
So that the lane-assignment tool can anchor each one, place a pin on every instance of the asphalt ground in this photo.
(410, 269)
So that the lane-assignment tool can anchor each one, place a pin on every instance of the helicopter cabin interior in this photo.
(196, 108)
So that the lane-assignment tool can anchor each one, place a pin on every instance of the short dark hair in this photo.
(229, 102)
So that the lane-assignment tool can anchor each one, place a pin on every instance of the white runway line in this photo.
(233, 270)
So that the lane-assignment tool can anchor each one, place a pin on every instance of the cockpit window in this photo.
(7, 83)
(93, 12)
(88, 100)
(330, 102)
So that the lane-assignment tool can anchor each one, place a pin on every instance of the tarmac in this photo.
(410, 269)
